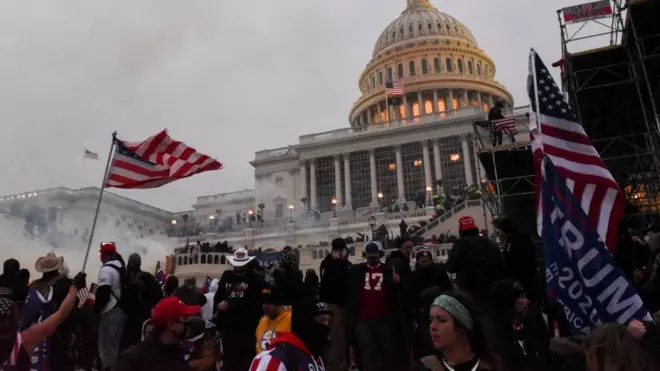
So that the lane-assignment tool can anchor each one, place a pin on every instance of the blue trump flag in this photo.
(580, 273)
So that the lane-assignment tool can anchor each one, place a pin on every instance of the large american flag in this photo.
(394, 88)
(556, 133)
(506, 125)
(156, 161)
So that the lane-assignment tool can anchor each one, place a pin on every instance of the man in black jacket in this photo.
(334, 284)
(495, 114)
(474, 261)
(238, 306)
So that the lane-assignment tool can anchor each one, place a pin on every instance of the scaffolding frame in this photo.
(642, 185)
(494, 191)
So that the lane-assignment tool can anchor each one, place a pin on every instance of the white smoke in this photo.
(27, 249)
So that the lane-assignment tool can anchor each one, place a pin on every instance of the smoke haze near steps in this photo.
(26, 249)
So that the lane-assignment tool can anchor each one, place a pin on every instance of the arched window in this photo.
(425, 66)
(448, 65)
(429, 25)
(380, 78)
(419, 26)
(315, 255)
(373, 81)
(399, 70)
(185, 260)
(436, 65)
(479, 69)
(223, 260)
(411, 67)
(203, 259)
(389, 74)
(410, 28)
(470, 68)
(460, 66)
(179, 261)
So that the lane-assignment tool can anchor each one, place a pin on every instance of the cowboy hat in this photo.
(240, 257)
(49, 263)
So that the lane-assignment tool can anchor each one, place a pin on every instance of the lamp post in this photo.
(372, 224)
(250, 213)
(291, 207)
(173, 222)
(380, 200)
(211, 219)
(429, 189)
(334, 207)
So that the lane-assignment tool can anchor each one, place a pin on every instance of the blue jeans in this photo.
(374, 337)
(111, 327)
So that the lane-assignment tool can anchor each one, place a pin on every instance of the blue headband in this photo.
(456, 309)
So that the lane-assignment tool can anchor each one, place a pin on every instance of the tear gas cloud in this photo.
(27, 249)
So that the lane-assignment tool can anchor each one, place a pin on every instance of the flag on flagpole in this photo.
(556, 133)
(154, 162)
(91, 155)
(582, 278)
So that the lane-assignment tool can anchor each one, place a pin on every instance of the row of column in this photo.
(366, 117)
(345, 199)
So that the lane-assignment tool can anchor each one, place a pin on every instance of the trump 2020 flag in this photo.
(580, 273)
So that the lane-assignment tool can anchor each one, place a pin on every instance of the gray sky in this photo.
(226, 77)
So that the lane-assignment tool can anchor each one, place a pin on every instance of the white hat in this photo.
(240, 257)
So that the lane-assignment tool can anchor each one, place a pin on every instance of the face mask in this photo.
(373, 261)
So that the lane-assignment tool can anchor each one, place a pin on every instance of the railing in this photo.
(446, 216)
(484, 135)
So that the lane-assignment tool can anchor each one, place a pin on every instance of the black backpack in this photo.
(123, 301)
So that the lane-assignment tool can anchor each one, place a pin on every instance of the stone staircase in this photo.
(448, 222)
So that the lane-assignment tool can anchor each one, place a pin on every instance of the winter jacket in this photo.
(207, 309)
(476, 263)
(334, 280)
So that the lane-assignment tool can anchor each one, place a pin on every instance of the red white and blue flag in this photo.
(580, 273)
(154, 162)
(556, 133)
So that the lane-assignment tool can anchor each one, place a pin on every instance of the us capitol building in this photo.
(336, 183)
(383, 157)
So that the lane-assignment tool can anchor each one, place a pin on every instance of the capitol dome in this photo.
(421, 20)
(438, 61)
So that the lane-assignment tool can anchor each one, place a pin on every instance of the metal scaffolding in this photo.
(612, 92)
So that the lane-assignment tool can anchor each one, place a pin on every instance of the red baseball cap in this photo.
(108, 248)
(465, 223)
(171, 308)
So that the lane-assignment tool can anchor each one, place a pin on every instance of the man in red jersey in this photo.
(370, 300)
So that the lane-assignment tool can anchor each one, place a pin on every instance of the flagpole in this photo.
(536, 98)
(387, 106)
(98, 203)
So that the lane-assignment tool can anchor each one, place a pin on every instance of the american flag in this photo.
(156, 161)
(83, 296)
(506, 125)
(195, 250)
(556, 133)
(394, 89)
(91, 155)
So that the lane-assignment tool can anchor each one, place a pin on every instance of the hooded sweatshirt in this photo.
(268, 329)
(207, 309)
(287, 353)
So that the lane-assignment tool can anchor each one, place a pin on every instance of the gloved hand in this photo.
(80, 280)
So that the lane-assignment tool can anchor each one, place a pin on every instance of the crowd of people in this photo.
(483, 309)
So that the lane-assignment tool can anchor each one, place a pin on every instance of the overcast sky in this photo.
(227, 77)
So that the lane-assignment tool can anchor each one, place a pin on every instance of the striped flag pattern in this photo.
(154, 162)
(556, 133)
(394, 88)
(506, 125)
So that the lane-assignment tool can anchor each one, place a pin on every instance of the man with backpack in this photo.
(112, 317)
(140, 293)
